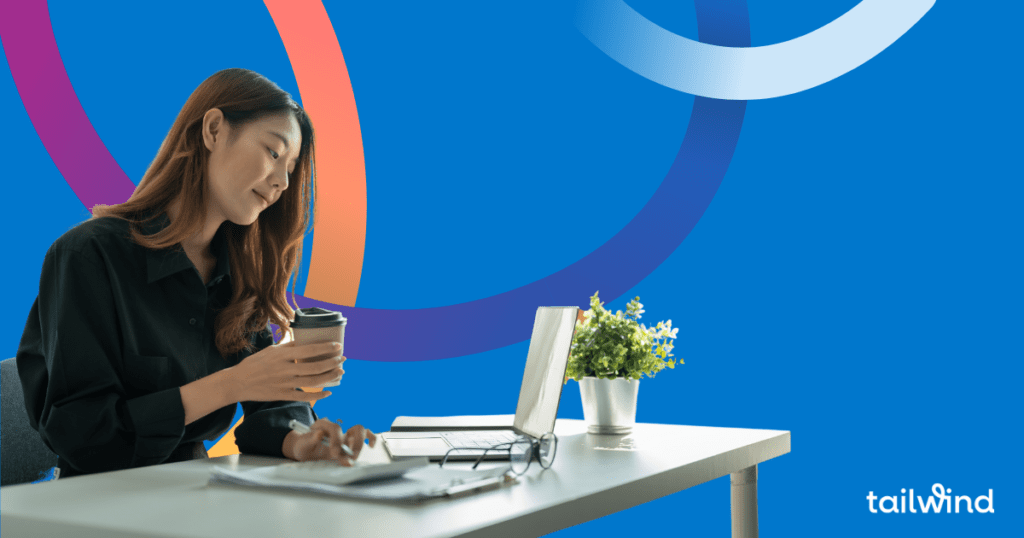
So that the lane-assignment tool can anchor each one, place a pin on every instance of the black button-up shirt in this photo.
(114, 333)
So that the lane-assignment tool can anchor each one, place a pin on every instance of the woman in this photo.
(152, 318)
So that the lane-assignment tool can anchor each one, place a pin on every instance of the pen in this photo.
(302, 429)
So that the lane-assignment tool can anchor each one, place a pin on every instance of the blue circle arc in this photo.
(674, 209)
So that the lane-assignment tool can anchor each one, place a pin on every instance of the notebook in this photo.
(539, 395)
(414, 486)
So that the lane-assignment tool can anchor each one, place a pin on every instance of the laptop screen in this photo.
(545, 369)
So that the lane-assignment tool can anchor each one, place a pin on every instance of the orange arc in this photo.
(336, 262)
(327, 97)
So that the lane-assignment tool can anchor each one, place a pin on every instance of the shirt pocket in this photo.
(145, 374)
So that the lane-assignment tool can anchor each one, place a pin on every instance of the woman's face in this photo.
(249, 166)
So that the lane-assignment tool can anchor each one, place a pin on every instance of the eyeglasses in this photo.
(521, 452)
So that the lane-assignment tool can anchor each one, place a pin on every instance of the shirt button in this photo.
(192, 321)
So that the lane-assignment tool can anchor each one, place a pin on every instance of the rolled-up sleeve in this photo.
(70, 363)
(265, 425)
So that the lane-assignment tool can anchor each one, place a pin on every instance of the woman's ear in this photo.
(214, 127)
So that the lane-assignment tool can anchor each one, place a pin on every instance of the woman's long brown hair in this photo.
(263, 255)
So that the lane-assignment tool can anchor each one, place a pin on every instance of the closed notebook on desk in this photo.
(539, 395)
(415, 486)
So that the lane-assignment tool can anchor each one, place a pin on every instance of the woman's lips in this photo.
(265, 201)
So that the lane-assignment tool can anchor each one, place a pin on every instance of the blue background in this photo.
(856, 279)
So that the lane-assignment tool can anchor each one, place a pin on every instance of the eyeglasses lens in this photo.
(520, 456)
(548, 444)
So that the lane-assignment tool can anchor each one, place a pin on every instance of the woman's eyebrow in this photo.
(281, 136)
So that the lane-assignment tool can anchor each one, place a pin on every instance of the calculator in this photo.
(330, 472)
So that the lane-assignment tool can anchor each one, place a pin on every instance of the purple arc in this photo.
(57, 115)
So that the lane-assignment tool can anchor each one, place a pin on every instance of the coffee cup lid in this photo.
(315, 318)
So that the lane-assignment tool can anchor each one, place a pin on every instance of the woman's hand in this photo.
(306, 447)
(272, 373)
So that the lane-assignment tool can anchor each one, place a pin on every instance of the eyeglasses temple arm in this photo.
(481, 458)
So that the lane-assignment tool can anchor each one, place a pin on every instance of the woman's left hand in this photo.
(309, 447)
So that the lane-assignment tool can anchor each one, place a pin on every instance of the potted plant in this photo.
(609, 355)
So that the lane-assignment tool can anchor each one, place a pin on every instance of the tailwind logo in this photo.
(939, 499)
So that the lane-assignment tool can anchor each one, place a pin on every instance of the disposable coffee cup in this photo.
(314, 325)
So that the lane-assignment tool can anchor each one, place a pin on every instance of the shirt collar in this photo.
(165, 262)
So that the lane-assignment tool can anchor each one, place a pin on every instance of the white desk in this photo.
(592, 476)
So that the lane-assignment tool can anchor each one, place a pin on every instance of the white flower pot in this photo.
(609, 405)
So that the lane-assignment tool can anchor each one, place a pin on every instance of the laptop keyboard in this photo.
(479, 439)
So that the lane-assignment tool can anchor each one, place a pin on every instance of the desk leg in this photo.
(744, 503)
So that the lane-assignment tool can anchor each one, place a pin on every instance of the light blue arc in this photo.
(746, 73)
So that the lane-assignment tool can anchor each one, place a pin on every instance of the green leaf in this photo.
(608, 346)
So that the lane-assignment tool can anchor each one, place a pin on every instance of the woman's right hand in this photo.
(272, 373)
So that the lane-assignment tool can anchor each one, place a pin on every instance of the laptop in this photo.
(546, 361)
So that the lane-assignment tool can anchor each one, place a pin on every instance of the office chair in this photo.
(24, 456)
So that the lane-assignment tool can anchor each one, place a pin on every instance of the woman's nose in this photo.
(280, 180)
